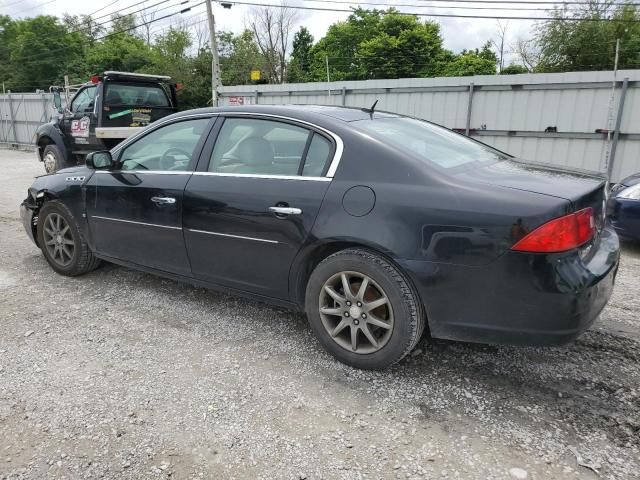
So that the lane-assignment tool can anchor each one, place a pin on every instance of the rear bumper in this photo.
(26, 215)
(520, 299)
(624, 216)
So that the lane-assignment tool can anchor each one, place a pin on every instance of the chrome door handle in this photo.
(163, 200)
(285, 210)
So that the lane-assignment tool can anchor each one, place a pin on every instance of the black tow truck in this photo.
(101, 113)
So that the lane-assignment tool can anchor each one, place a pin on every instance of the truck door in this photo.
(80, 123)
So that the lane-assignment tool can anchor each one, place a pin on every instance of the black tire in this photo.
(52, 158)
(82, 259)
(407, 318)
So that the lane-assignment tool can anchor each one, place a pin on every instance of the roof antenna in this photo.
(370, 110)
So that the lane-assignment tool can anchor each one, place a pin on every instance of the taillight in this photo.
(560, 234)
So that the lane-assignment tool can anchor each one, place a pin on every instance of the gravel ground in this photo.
(119, 374)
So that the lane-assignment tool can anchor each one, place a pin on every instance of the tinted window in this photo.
(429, 142)
(317, 156)
(168, 148)
(147, 95)
(83, 101)
(261, 147)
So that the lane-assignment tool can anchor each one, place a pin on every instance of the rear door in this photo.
(253, 201)
(135, 210)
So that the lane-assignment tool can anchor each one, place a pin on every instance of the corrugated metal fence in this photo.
(21, 114)
(548, 118)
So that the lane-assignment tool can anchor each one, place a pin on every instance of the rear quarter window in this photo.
(147, 95)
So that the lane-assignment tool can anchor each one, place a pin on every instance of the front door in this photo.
(250, 208)
(135, 210)
(80, 121)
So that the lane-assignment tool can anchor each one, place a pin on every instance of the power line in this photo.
(423, 14)
(485, 6)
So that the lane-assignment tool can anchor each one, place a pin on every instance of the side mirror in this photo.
(57, 101)
(99, 160)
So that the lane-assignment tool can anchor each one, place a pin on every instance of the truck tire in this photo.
(52, 158)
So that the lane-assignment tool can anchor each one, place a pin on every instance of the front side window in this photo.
(83, 101)
(428, 142)
(143, 95)
(167, 148)
(266, 147)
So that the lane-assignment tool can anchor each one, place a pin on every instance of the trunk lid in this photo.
(582, 190)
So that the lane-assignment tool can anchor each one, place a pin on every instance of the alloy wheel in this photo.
(58, 239)
(356, 312)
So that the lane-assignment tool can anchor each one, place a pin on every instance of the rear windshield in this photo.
(147, 95)
(433, 144)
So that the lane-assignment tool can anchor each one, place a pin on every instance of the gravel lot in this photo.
(119, 374)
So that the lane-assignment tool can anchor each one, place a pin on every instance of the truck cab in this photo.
(102, 113)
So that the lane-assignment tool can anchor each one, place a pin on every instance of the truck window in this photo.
(83, 101)
(136, 94)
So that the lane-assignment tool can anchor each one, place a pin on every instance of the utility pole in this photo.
(215, 60)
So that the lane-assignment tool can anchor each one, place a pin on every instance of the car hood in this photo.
(79, 169)
(515, 174)
(631, 180)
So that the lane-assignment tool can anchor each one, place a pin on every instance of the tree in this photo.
(239, 54)
(469, 64)
(38, 50)
(300, 64)
(588, 43)
(272, 28)
(378, 44)
(513, 69)
(498, 43)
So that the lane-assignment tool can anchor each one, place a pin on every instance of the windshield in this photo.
(147, 95)
(431, 143)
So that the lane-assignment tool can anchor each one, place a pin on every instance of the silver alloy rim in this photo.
(58, 240)
(356, 312)
(49, 162)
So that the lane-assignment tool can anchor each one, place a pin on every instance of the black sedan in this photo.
(380, 227)
(624, 207)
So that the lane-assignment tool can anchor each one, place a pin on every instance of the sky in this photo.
(458, 33)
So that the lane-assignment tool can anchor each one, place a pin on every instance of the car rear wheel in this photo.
(61, 242)
(363, 310)
(52, 159)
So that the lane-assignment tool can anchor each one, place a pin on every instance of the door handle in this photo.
(285, 210)
(163, 200)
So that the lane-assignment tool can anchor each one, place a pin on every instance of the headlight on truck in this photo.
(630, 193)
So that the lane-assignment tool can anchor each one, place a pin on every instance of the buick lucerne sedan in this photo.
(380, 227)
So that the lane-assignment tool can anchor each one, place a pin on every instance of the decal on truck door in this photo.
(80, 128)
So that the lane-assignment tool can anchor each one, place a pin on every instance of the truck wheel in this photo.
(52, 158)
(363, 310)
(62, 243)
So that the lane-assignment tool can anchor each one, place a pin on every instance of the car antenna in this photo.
(370, 110)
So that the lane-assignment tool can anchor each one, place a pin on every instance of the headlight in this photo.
(632, 193)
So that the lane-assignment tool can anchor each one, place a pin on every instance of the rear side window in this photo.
(144, 95)
(251, 146)
(429, 143)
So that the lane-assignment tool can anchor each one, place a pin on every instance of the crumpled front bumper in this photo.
(27, 214)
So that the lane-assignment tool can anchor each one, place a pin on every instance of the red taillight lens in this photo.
(560, 234)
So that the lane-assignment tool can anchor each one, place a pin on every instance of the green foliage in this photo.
(589, 45)
(513, 69)
(239, 54)
(469, 64)
(300, 64)
(377, 44)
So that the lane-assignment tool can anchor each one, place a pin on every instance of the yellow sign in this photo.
(255, 75)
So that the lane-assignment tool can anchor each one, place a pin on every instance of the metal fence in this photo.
(20, 116)
(557, 118)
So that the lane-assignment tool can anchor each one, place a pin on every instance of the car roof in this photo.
(302, 112)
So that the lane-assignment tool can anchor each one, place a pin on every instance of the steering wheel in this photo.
(168, 162)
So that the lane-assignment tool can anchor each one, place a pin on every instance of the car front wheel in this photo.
(52, 159)
(62, 242)
(363, 310)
